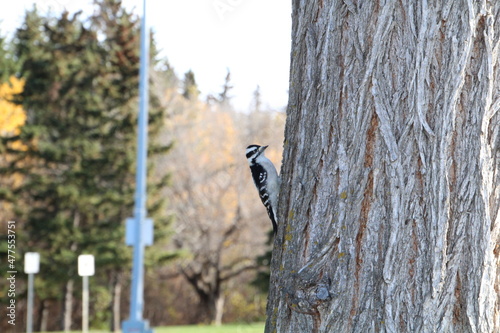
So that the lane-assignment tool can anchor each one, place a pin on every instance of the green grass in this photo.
(227, 328)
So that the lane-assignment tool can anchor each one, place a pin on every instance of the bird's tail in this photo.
(272, 216)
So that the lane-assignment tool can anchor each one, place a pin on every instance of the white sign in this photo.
(31, 262)
(86, 265)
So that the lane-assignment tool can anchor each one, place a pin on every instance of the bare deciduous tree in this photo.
(390, 180)
(220, 222)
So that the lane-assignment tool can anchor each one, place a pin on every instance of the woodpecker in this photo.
(266, 180)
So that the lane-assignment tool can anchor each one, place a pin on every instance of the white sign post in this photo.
(85, 269)
(31, 267)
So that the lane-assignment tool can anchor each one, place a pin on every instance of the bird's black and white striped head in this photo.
(253, 152)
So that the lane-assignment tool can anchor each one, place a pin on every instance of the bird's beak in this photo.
(263, 148)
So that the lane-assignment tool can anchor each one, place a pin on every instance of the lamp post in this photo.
(139, 229)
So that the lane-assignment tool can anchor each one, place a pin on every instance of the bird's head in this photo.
(254, 151)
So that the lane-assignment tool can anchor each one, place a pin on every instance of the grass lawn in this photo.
(228, 328)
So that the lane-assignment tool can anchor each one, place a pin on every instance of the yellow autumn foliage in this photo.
(12, 116)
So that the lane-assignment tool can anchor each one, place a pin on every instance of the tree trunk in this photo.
(43, 316)
(68, 297)
(211, 307)
(116, 293)
(389, 206)
(68, 306)
(219, 310)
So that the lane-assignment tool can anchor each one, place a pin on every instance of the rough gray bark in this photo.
(390, 191)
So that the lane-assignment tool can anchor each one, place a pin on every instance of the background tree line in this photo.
(68, 105)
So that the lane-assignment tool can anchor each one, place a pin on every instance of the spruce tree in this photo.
(190, 88)
(8, 65)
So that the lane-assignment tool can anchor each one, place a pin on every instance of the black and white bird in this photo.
(266, 180)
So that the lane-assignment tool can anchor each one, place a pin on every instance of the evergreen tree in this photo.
(261, 280)
(224, 96)
(256, 105)
(8, 66)
(190, 90)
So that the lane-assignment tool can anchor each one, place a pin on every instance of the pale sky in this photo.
(251, 38)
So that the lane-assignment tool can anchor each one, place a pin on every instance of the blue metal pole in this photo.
(139, 228)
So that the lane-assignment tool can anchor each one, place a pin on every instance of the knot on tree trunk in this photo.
(307, 300)
(307, 296)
